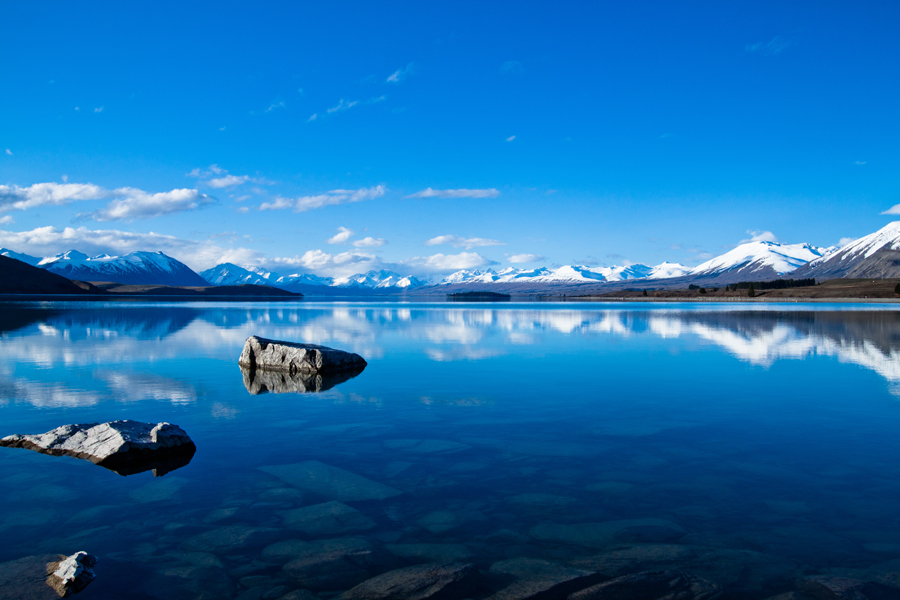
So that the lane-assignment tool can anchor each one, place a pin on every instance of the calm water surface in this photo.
(747, 444)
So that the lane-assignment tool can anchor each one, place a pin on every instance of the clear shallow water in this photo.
(747, 444)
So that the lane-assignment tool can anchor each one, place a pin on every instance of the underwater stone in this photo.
(336, 564)
(840, 588)
(126, 447)
(536, 578)
(272, 355)
(432, 581)
(651, 585)
(330, 482)
(329, 518)
(231, 538)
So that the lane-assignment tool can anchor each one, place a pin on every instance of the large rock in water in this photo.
(125, 447)
(305, 359)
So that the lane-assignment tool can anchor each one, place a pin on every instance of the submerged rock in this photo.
(535, 578)
(331, 482)
(602, 535)
(231, 538)
(329, 518)
(334, 564)
(125, 447)
(434, 581)
(258, 381)
(840, 588)
(651, 585)
(307, 359)
(71, 574)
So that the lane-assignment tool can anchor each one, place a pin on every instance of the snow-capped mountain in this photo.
(668, 270)
(378, 280)
(25, 258)
(297, 280)
(564, 274)
(758, 260)
(874, 255)
(231, 274)
(134, 268)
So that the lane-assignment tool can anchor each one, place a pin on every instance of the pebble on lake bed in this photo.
(126, 447)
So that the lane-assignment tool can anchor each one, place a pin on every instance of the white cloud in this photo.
(47, 241)
(510, 138)
(137, 204)
(460, 242)
(331, 265)
(860, 162)
(449, 262)
(99, 109)
(761, 236)
(275, 106)
(312, 118)
(845, 240)
(370, 242)
(330, 198)
(8, 152)
(52, 194)
(243, 209)
(774, 46)
(6, 219)
(341, 236)
(894, 210)
(459, 193)
(401, 74)
(525, 258)
(343, 105)
(227, 181)
(512, 66)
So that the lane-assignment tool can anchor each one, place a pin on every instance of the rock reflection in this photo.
(258, 381)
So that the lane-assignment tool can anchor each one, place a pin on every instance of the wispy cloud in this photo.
(218, 178)
(329, 198)
(459, 193)
(859, 162)
(341, 236)
(449, 262)
(312, 117)
(275, 106)
(894, 210)
(343, 105)
(49, 194)
(460, 242)
(774, 46)
(512, 67)
(228, 181)
(325, 263)
(137, 204)
(760, 236)
(8, 152)
(510, 138)
(846, 240)
(401, 74)
(99, 109)
(7, 219)
(525, 258)
(370, 242)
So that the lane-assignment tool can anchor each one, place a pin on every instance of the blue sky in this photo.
(445, 136)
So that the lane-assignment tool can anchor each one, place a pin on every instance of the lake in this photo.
(746, 444)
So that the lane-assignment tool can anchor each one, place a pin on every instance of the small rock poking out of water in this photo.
(304, 359)
(71, 574)
(652, 585)
(431, 581)
(125, 447)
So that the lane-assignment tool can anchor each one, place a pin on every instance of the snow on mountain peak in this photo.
(759, 255)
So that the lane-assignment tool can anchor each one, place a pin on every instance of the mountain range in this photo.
(874, 256)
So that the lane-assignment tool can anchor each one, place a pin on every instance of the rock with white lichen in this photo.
(71, 574)
(304, 359)
(126, 447)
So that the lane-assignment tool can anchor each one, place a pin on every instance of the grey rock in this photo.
(331, 482)
(258, 381)
(840, 588)
(26, 578)
(126, 447)
(71, 574)
(334, 564)
(231, 538)
(327, 519)
(433, 581)
(272, 355)
(651, 585)
(534, 578)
